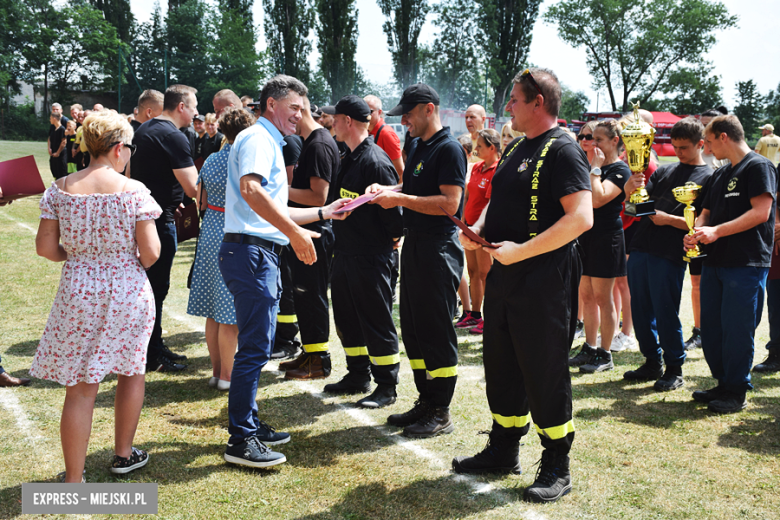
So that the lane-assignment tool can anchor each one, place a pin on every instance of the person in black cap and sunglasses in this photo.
(432, 259)
(360, 287)
(541, 203)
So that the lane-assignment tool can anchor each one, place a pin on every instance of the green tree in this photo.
(695, 90)
(337, 32)
(13, 20)
(750, 107)
(404, 20)
(149, 52)
(190, 37)
(287, 25)
(118, 14)
(507, 28)
(634, 45)
(772, 107)
(573, 104)
(44, 25)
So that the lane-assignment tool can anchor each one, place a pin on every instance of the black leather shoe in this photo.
(350, 384)
(164, 364)
(728, 402)
(172, 355)
(647, 372)
(707, 396)
(412, 416)
(383, 395)
(770, 364)
(671, 380)
(436, 421)
(501, 455)
(553, 479)
(694, 341)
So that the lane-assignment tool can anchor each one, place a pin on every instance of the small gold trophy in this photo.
(638, 139)
(687, 194)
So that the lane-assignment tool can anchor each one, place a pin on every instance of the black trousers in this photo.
(310, 291)
(363, 312)
(286, 320)
(160, 279)
(533, 315)
(59, 165)
(431, 267)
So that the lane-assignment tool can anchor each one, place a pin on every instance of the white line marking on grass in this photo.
(20, 223)
(11, 403)
(197, 325)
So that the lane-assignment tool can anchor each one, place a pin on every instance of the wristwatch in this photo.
(596, 172)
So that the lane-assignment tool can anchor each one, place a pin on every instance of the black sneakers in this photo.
(286, 350)
(770, 364)
(383, 395)
(253, 453)
(671, 380)
(350, 384)
(707, 396)
(269, 436)
(137, 459)
(172, 355)
(600, 362)
(647, 372)
(436, 421)
(499, 456)
(553, 479)
(728, 402)
(694, 341)
(583, 357)
(412, 416)
(164, 364)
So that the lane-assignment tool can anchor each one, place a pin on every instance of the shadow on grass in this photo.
(756, 435)
(24, 348)
(434, 499)
(316, 451)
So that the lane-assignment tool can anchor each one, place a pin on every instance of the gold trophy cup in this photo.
(687, 194)
(638, 140)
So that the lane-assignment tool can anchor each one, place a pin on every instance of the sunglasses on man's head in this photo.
(586, 137)
(527, 74)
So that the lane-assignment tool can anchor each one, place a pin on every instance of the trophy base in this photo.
(688, 259)
(640, 209)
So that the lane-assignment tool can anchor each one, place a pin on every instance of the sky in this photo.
(749, 51)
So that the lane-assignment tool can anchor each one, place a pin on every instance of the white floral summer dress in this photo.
(103, 313)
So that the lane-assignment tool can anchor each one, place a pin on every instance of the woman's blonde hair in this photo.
(104, 129)
(590, 125)
(210, 118)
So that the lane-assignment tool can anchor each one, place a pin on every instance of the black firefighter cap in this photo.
(354, 107)
(414, 95)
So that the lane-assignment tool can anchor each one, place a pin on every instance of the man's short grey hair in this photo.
(279, 87)
(373, 99)
(56, 105)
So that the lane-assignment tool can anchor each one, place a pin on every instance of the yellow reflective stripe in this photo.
(512, 421)
(316, 347)
(417, 364)
(393, 359)
(556, 432)
(356, 351)
(444, 372)
(286, 318)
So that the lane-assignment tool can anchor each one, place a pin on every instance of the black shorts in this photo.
(694, 266)
(603, 255)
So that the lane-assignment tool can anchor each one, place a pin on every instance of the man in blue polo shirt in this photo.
(257, 225)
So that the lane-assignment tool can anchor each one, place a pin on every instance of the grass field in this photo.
(637, 454)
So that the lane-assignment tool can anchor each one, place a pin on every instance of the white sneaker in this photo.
(622, 342)
(223, 385)
(213, 382)
(598, 340)
(629, 341)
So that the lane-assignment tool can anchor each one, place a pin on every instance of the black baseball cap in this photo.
(199, 117)
(414, 95)
(329, 109)
(354, 107)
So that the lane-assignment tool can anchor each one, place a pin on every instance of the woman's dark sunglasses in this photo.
(586, 137)
(130, 147)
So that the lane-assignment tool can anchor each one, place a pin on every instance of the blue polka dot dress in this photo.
(209, 295)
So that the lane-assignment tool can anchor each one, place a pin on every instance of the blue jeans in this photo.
(251, 273)
(656, 288)
(732, 299)
(773, 308)
(160, 279)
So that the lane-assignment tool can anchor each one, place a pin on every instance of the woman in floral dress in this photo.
(101, 224)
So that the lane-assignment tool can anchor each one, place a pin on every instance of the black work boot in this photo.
(707, 396)
(582, 357)
(412, 416)
(553, 479)
(499, 456)
(436, 421)
(350, 384)
(671, 380)
(770, 364)
(647, 372)
(694, 341)
(383, 395)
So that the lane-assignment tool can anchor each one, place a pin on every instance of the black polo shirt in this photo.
(733, 186)
(606, 219)
(292, 150)
(135, 124)
(209, 145)
(162, 148)
(370, 229)
(319, 158)
(438, 161)
(565, 170)
(666, 241)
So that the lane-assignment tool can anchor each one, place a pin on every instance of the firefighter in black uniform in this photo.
(360, 284)
(431, 260)
(317, 164)
(541, 203)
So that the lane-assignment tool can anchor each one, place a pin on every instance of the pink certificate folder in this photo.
(20, 178)
(467, 231)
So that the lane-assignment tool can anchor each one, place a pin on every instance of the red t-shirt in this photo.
(627, 221)
(480, 188)
(388, 140)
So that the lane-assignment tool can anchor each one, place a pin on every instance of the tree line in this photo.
(647, 50)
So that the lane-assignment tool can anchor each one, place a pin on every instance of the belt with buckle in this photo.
(240, 238)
